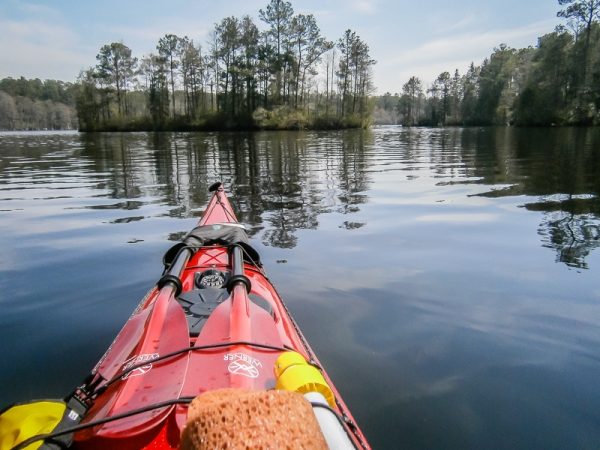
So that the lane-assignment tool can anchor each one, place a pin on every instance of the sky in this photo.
(57, 39)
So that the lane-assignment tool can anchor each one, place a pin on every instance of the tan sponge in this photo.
(238, 419)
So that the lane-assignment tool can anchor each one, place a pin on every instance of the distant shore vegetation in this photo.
(37, 105)
(286, 77)
(555, 83)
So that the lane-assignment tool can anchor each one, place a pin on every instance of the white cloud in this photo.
(35, 31)
(448, 48)
(448, 53)
(143, 39)
(460, 24)
(364, 6)
(29, 48)
(40, 46)
(32, 9)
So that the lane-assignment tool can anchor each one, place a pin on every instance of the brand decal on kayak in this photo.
(242, 364)
(134, 361)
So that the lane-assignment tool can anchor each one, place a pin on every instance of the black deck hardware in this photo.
(198, 305)
(213, 187)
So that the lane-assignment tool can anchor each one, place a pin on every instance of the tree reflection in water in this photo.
(572, 237)
(569, 226)
(559, 167)
(279, 182)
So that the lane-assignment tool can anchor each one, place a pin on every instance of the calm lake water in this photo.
(448, 279)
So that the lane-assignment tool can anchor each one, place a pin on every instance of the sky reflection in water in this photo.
(446, 278)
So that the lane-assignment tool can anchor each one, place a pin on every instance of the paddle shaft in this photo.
(240, 320)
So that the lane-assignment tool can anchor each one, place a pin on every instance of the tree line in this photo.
(37, 105)
(286, 76)
(555, 83)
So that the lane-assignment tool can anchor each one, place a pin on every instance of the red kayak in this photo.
(213, 321)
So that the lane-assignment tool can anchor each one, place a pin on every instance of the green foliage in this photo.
(544, 99)
(115, 70)
(35, 104)
(354, 73)
(555, 83)
(37, 90)
(494, 77)
(280, 119)
(158, 92)
(88, 109)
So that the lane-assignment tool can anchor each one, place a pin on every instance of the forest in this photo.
(289, 76)
(244, 79)
(37, 105)
(555, 83)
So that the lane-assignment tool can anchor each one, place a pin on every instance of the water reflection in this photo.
(556, 170)
(573, 237)
(281, 182)
(559, 167)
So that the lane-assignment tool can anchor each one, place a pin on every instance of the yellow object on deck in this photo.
(295, 374)
(21, 422)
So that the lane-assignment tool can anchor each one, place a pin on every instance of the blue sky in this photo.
(56, 39)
